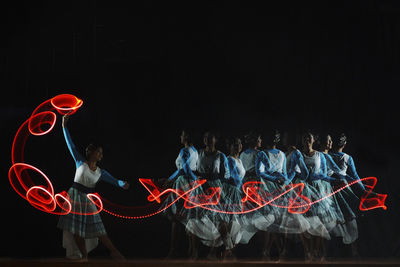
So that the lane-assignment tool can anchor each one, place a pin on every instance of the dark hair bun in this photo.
(251, 138)
(342, 140)
(276, 137)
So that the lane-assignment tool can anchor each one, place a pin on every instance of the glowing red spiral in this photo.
(41, 122)
(42, 196)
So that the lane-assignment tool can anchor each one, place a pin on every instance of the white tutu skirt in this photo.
(325, 214)
(260, 218)
(204, 221)
(348, 204)
(291, 222)
(178, 211)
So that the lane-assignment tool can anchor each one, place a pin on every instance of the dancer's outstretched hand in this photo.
(126, 185)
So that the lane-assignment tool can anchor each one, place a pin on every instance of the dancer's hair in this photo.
(273, 137)
(339, 140)
(92, 147)
(251, 138)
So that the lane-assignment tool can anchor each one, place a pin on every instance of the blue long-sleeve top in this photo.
(213, 166)
(321, 172)
(236, 174)
(346, 166)
(268, 173)
(80, 176)
(331, 166)
(297, 160)
(186, 157)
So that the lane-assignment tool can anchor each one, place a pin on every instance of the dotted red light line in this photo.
(42, 196)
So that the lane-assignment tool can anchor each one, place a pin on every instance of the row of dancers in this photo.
(320, 170)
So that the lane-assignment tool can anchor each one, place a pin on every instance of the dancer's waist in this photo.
(82, 188)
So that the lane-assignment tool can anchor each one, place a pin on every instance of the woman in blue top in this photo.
(261, 218)
(82, 231)
(186, 164)
(270, 166)
(347, 168)
(285, 222)
(325, 214)
(232, 226)
(212, 165)
(346, 198)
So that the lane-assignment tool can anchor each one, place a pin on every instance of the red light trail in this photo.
(43, 197)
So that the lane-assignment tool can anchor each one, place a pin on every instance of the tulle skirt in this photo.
(324, 213)
(260, 218)
(85, 226)
(348, 204)
(177, 211)
(204, 221)
(291, 222)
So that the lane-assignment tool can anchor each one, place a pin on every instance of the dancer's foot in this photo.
(228, 256)
(212, 255)
(283, 256)
(80, 259)
(116, 255)
(194, 256)
(171, 254)
(265, 256)
(308, 257)
(355, 255)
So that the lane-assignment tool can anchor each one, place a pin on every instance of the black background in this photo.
(148, 69)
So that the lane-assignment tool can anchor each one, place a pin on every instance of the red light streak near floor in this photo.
(43, 197)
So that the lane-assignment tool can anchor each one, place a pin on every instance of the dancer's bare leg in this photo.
(354, 250)
(194, 246)
(80, 242)
(307, 247)
(174, 236)
(268, 239)
(113, 250)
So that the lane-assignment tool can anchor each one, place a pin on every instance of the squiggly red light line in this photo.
(42, 196)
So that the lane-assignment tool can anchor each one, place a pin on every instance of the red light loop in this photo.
(42, 197)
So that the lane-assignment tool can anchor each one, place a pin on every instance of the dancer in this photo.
(204, 223)
(186, 164)
(344, 161)
(261, 219)
(285, 222)
(81, 232)
(232, 224)
(347, 168)
(270, 166)
(348, 201)
(325, 214)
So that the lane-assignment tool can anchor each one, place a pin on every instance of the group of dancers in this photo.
(320, 172)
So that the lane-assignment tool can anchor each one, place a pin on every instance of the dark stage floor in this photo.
(150, 263)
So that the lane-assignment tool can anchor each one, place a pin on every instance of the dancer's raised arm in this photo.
(78, 158)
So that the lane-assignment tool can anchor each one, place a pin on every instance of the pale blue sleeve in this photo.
(332, 164)
(297, 160)
(261, 158)
(107, 177)
(285, 174)
(234, 173)
(322, 175)
(78, 158)
(353, 172)
(224, 167)
(185, 155)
